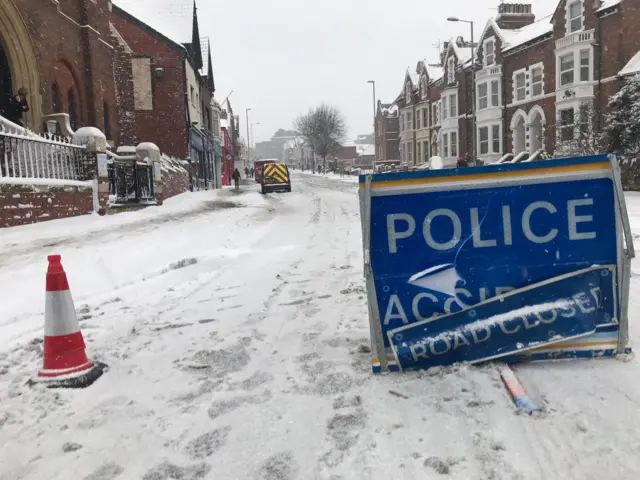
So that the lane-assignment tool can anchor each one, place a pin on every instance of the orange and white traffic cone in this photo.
(65, 362)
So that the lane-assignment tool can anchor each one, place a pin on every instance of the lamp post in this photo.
(473, 86)
(375, 125)
(248, 137)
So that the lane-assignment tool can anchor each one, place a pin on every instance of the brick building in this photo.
(537, 82)
(173, 93)
(62, 52)
(387, 132)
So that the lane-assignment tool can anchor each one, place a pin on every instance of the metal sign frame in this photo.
(626, 250)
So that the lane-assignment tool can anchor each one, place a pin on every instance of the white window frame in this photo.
(445, 107)
(516, 88)
(571, 55)
(562, 127)
(454, 143)
(445, 145)
(538, 66)
(453, 105)
(589, 52)
(434, 113)
(490, 127)
(451, 69)
(425, 117)
(485, 97)
(570, 20)
(492, 138)
(489, 41)
(418, 152)
(481, 141)
(491, 93)
(418, 119)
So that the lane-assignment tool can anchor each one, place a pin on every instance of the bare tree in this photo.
(578, 136)
(323, 128)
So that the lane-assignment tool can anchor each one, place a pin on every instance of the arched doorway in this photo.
(6, 85)
(536, 129)
(21, 60)
(519, 132)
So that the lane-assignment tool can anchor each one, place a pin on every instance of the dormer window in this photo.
(408, 93)
(451, 69)
(489, 53)
(574, 16)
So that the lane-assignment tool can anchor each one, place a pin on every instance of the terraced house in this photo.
(538, 82)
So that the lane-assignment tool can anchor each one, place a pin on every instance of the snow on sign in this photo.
(438, 243)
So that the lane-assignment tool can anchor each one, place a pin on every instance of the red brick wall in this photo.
(166, 124)
(72, 56)
(22, 205)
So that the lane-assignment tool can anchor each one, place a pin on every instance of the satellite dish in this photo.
(436, 163)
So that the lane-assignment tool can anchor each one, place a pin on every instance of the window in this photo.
(73, 112)
(536, 87)
(483, 101)
(585, 70)
(521, 87)
(495, 138)
(435, 119)
(566, 69)
(483, 134)
(566, 125)
(575, 16)
(142, 83)
(410, 152)
(445, 107)
(451, 69)
(409, 121)
(495, 93)
(445, 145)
(425, 118)
(425, 151)
(418, 156)
(454, 144)
(418, 118)
(453, 105)
(56, 104)
(489, 54)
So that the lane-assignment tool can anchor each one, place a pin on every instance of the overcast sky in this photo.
(282, 56)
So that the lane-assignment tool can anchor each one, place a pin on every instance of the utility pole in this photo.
(248, 138)
(375, 124)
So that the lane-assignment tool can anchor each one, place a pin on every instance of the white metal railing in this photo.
(27, 155)
(586, 36)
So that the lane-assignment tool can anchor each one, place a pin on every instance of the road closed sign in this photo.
(492, 241)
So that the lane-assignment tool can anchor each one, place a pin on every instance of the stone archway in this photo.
(21, 57)
(519, 132)
(537, 123)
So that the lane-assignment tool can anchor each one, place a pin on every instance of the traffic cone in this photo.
(65, 363)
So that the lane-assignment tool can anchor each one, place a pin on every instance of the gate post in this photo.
(95, 144)
(150, 153)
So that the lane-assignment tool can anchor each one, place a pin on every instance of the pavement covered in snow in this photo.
(235, 327)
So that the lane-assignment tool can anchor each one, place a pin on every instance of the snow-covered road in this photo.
(235, 326)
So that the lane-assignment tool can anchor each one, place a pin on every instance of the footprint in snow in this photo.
(171, 471)
(282, 466)
(207, 444)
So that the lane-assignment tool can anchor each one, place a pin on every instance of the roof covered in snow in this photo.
(391, 109)
(608, 4)
(366, 149)
(515, 38)
(176, 29)
(632, 67)
(434, 72)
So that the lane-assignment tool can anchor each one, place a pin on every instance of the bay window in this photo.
(567, 124)
(495, 138)
(489, 54)
(495, 93)
(566, 69)
(483, 101)
(484, 140)
(585, 67)
(425, 118)
(454, 144)
(453, 105)
(445, 107)
(418, 118)
(445, 145)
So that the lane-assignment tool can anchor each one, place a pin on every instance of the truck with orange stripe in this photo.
(275, 177)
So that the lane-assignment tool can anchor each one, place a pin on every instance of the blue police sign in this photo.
(564, 308)
(440, 242)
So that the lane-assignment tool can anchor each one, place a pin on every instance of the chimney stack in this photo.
(512, 16)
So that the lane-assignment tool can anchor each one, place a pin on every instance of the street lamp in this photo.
(375, 125)
(248, 137)
(473, 86)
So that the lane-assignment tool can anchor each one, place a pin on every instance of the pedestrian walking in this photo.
(236, 178)
(246, 172)
(17, 107)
